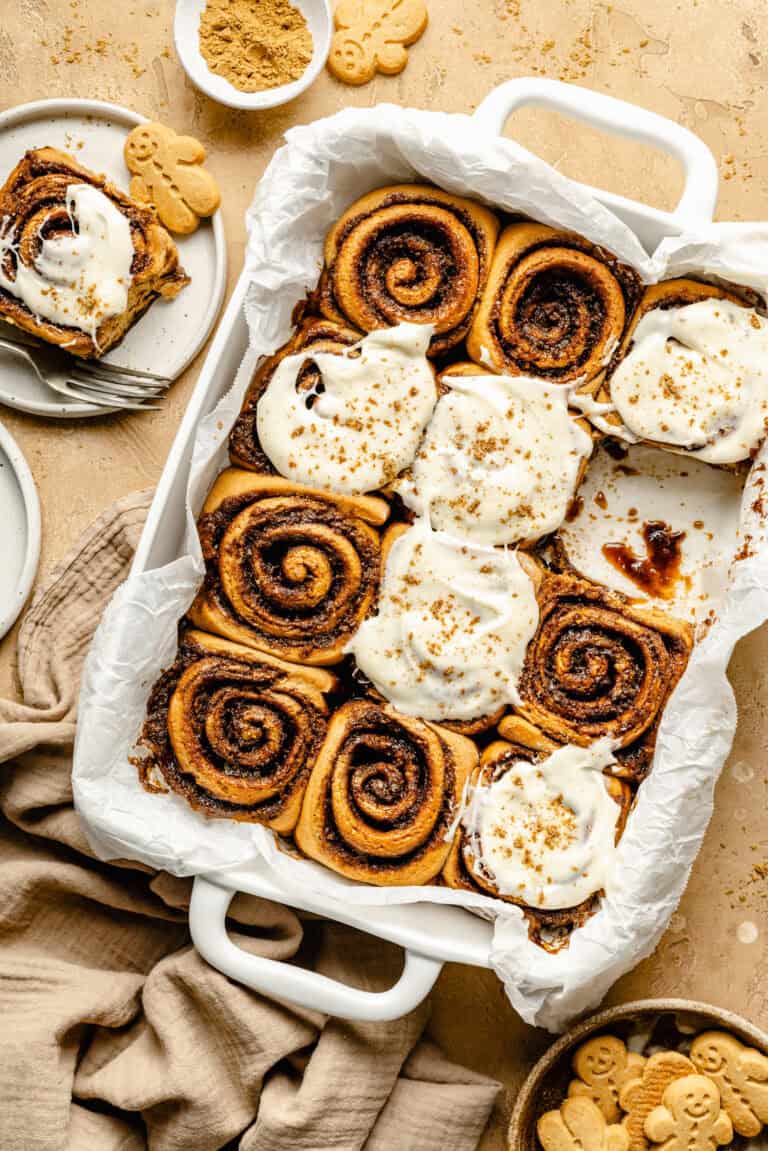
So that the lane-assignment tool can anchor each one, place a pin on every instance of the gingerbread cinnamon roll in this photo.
(235, 731)
(383, 795)
(291, 570)
(555, 307)
(691, 377)
(80, 261)
(313, 335)
(540, 830)
(600, 666)
(411, 253)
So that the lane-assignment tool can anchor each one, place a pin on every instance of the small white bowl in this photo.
(186, 31)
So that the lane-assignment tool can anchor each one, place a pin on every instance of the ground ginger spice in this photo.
(255, 44)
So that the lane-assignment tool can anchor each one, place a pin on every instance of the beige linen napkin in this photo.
(114, 1034)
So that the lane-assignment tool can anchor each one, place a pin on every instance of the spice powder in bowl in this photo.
(255, 44)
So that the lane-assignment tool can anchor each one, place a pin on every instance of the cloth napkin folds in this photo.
(114, 1034)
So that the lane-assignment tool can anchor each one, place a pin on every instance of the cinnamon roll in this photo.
(80, 261)
(555, 307)
(600, 666)
(692, 378)
(289, 569)
(540, 830)
(474, 473)
(383, 795)
(410, 253)
(235, 731)
(313, 335)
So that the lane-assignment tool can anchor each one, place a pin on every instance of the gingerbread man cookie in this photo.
(602, 1066)
(638, 1097)
(580, 1125)
(167, 172)
(741, 1074)
(690, 1118)
(371, 36)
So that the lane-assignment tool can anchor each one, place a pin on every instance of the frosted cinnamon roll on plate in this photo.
(408, 253)
(80, 261)
(235, 731)
(540, 830)
(555, 307)
(694, 377)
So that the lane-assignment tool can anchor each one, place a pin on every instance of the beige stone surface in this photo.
(702, 62)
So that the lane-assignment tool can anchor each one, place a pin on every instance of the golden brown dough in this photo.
(412, 253)
(383, 795)
(555, 306)
(235, 731)
(290, 569)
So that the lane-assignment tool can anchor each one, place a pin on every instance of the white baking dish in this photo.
(431, 934)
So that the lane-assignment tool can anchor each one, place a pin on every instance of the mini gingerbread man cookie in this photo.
(371, 36)
(167, 172)
(690, 1118)
(741, 1074)
(638, 1097)
(580, 1125)
(603, 1065)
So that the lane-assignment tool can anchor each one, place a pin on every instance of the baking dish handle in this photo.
(207, 923)
(697, 203)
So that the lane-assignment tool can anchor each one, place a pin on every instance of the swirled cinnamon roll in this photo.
(410, 253)
(540, 830)
(383, 795)
(693, 376)
(80, 261)
(235, 731)
(599, 666)
(313, 335)
(291, 570)
(555, 307)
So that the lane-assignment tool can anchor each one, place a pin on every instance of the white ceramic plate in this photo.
(171, 333)
(20, 517)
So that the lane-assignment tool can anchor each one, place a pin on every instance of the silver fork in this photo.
(93, 382)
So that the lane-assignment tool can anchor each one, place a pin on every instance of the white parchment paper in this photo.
(310, 181)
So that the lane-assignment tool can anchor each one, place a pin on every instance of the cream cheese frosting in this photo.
(696, 380)
(453, 622)
(361, 425)
(500, 460)
(78, 279)
(545, 832)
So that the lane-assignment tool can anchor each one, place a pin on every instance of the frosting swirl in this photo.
(454, 619)
(500, 460)
(696, 380)
(360, 423)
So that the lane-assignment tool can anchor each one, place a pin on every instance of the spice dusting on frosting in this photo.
(80, 278)
(696, 380)
(453, 624)
(255, 44)
(545, 832)
(359, 423)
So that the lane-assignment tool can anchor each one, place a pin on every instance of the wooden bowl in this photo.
(547, 1085)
